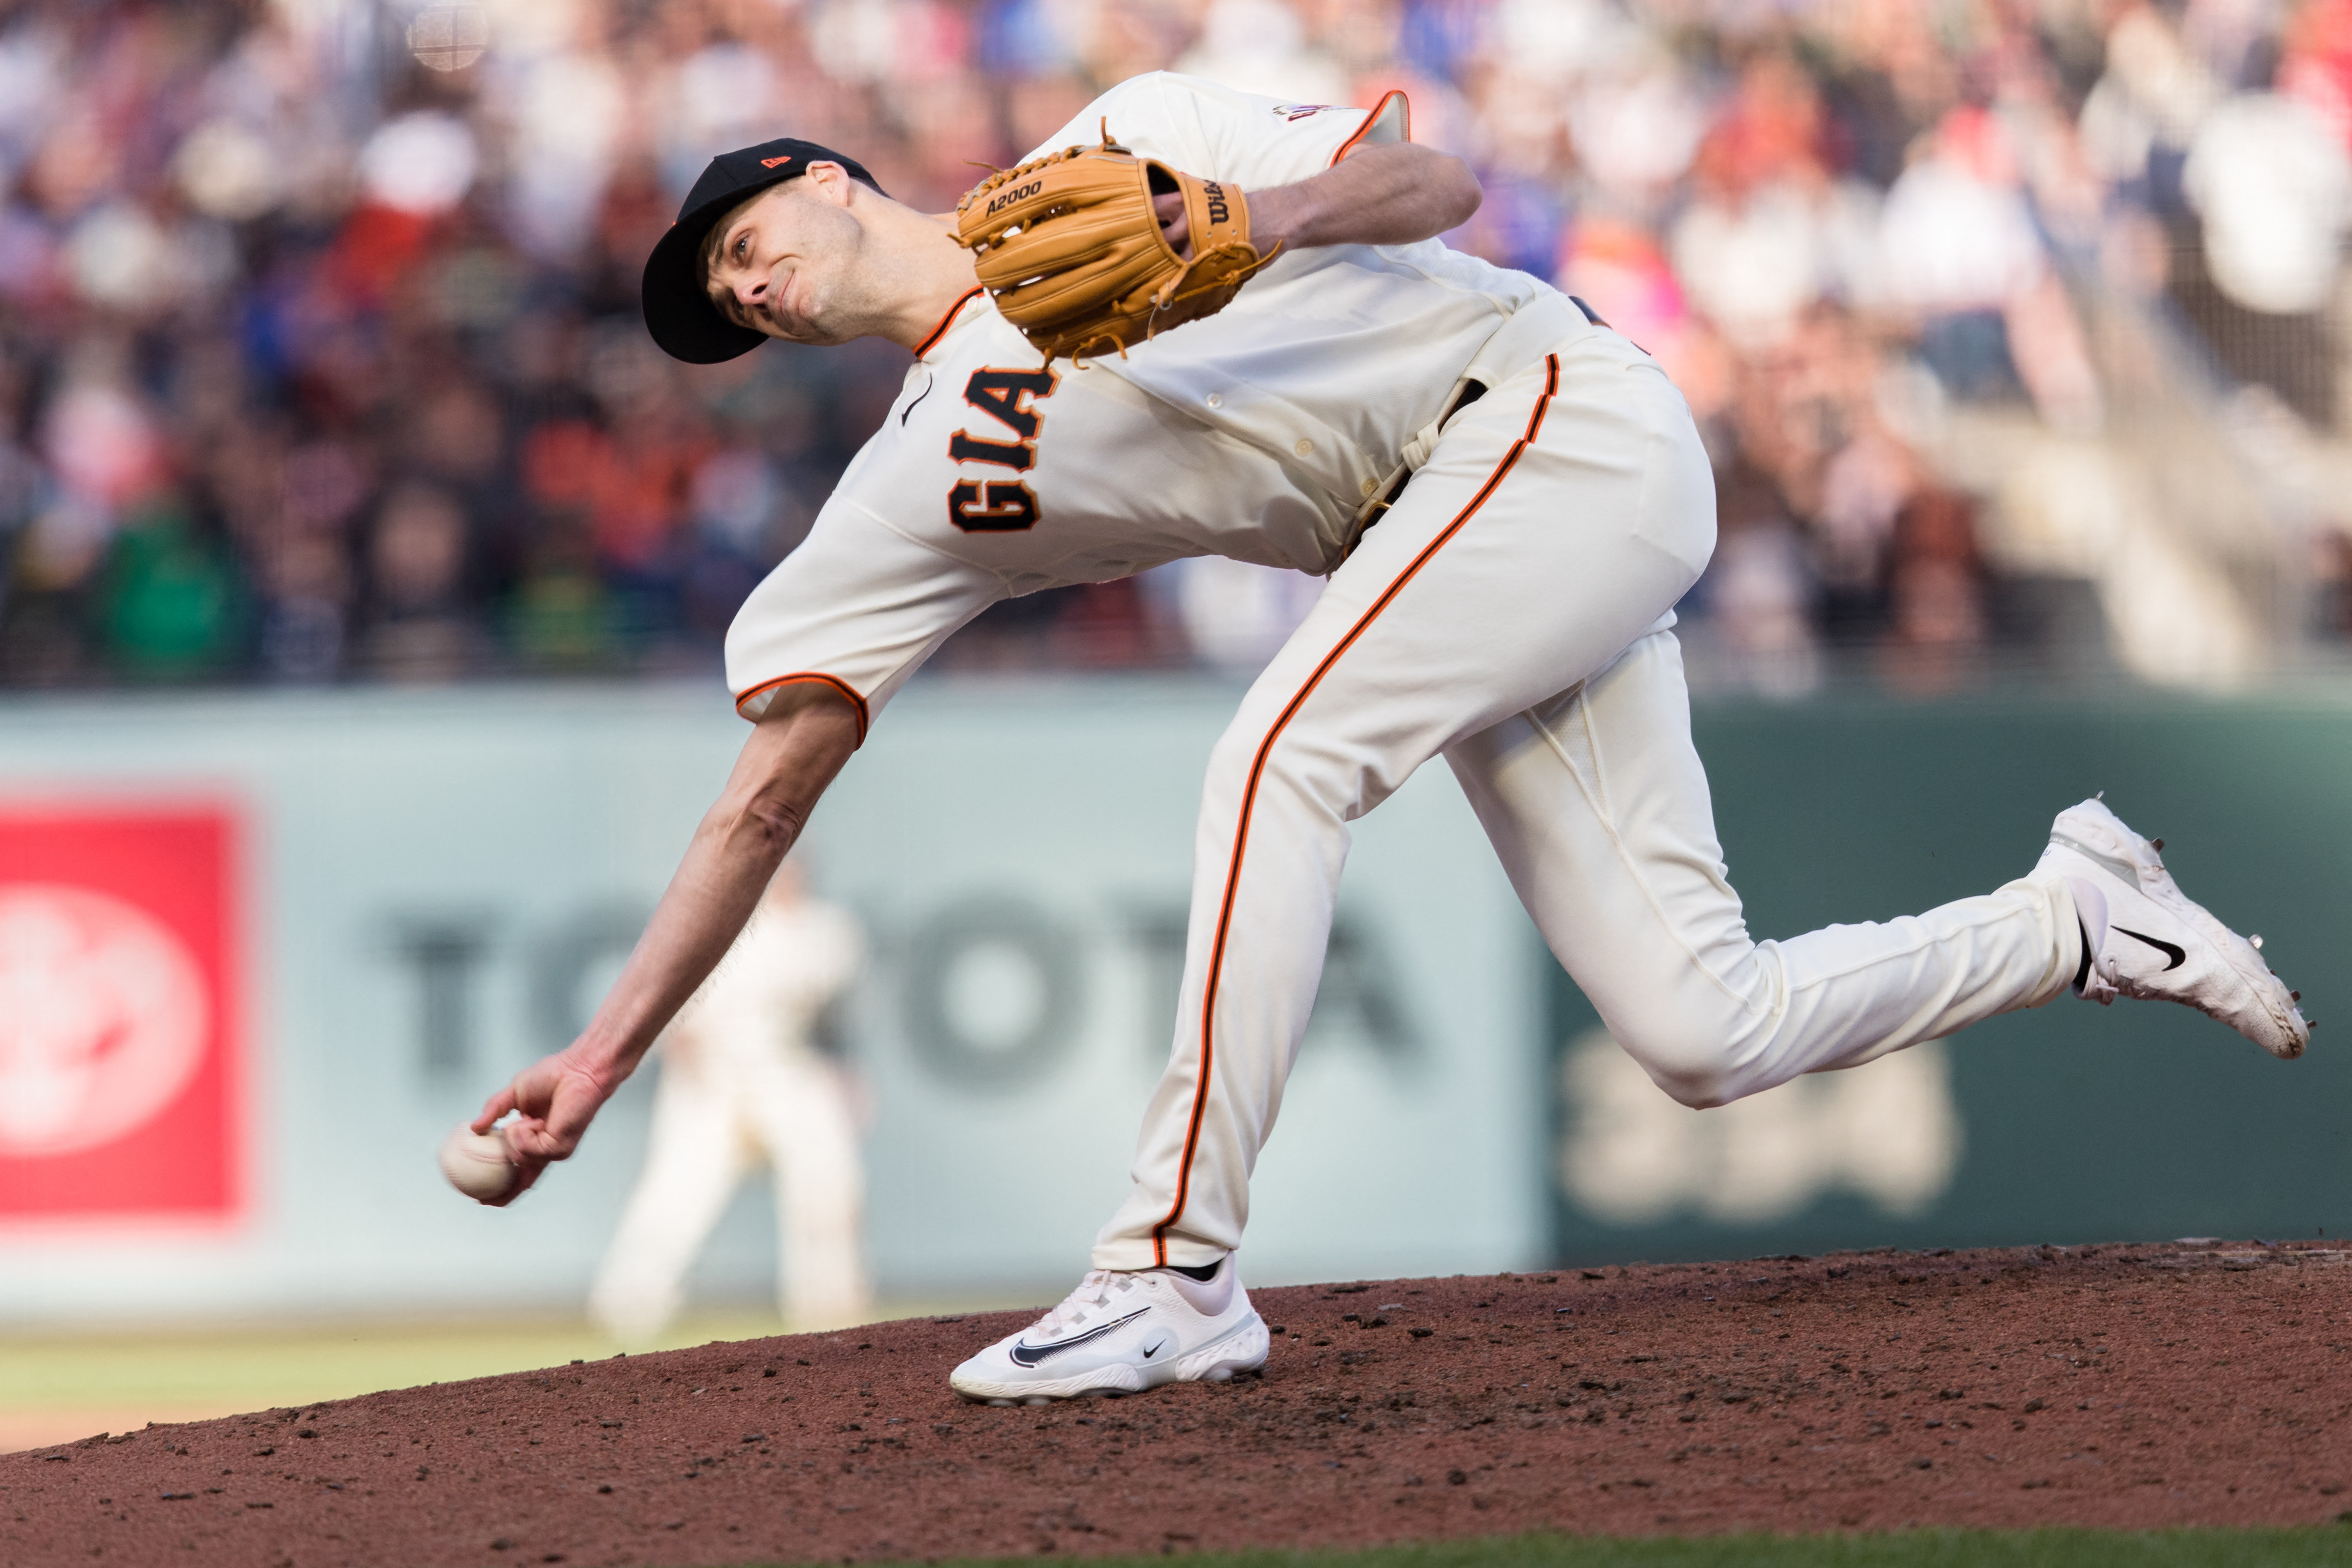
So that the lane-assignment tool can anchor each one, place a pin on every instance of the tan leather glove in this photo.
(1069, 246)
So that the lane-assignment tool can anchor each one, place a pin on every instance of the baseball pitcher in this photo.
(1203, 323)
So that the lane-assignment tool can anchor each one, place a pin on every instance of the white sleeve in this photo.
(858, 607)
(1217, 133)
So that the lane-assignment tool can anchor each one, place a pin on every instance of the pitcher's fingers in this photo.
(522, 1143)
(567, 1121)
(497, 1105)
(535, 1142)
(530, 1175)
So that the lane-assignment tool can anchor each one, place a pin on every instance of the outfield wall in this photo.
(2069, 1124)
(426, 891)
(383, 902)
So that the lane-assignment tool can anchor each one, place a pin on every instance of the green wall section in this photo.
(2135, 1121)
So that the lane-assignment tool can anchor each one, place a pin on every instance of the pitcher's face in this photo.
(788, 262)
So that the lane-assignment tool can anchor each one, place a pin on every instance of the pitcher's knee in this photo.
(1303, 770)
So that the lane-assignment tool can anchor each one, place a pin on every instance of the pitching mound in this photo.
(2136, 1386)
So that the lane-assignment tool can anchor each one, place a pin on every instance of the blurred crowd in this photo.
(320, 361)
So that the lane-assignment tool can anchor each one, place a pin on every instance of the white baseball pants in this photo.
(717, 1117)
(1511, 613)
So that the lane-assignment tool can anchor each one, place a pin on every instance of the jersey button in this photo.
(1369, 487)
(1305, 449)
(1216, 400)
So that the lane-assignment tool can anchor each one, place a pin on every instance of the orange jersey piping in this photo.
(1404, 107)
(857, 703)
(945, 323)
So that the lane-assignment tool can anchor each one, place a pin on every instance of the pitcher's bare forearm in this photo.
(1391, 195)
(792, 755)
(784, 767)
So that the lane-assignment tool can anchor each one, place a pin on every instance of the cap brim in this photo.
(679, 312)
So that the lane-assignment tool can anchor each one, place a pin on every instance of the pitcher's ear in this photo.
(831, 180)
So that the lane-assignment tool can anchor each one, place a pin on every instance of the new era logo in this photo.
(771, 162)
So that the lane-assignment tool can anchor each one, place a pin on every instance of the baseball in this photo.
(477, 1163)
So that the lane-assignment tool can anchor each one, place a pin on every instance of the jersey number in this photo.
(1000, 506)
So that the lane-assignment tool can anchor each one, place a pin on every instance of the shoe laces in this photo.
(1093, 1293)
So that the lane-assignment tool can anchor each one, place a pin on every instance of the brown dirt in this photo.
(2115, 1386)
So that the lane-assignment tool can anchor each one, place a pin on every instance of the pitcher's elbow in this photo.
(1693, 1064)
(1463, 194)
(758, 823)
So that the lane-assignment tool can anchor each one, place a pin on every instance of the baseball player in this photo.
(742, 1081)
(1507, 499)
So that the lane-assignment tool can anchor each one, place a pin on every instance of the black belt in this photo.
(1472, 391)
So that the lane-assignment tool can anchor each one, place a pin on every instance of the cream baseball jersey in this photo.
(1256, 433)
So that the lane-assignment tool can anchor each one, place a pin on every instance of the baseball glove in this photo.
(1070, 248)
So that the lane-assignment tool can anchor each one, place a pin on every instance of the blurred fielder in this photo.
(743, 1081)
(1507, 499)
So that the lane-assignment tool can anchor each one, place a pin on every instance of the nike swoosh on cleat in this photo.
(1023, 1353)
(2179, 955)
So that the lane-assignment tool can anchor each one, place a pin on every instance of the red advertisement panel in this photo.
(120, 1053)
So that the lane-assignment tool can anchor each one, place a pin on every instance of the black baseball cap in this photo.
(679, 312)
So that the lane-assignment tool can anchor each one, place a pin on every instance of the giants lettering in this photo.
(996, 506)
(1004, 396)
(968, 449)
(1000, 506)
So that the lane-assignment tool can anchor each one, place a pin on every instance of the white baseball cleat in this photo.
(2147, 939)
(1122, 1332)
